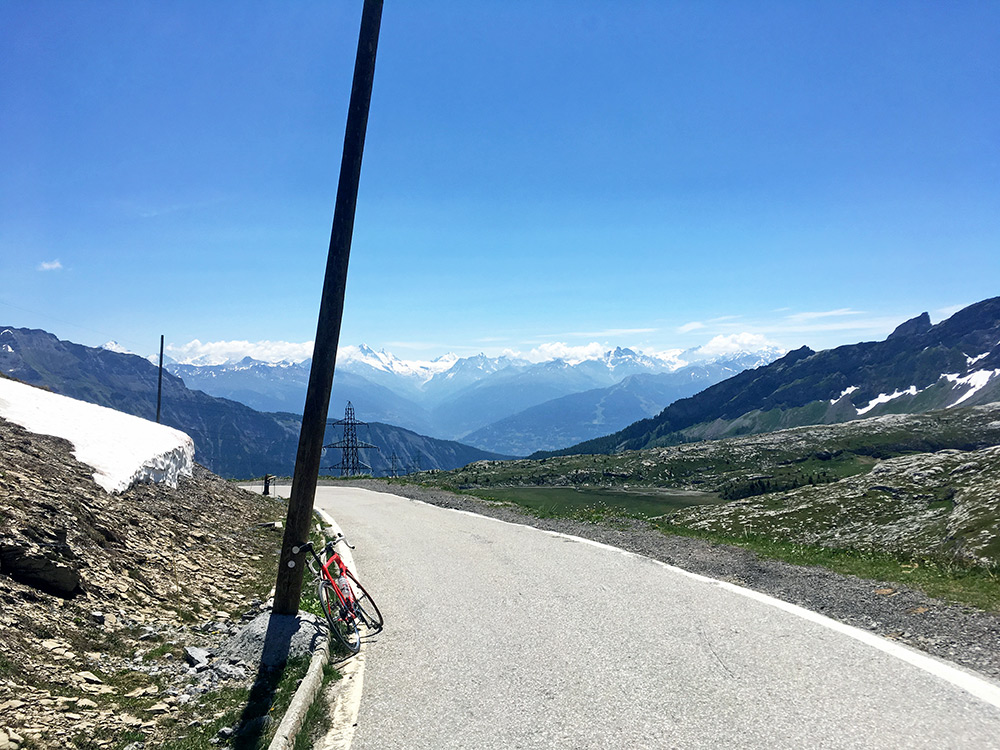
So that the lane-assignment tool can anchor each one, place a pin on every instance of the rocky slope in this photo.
(914, 484)
(943, 505)
(100, 594)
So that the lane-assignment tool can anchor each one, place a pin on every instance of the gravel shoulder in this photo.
(959, 634)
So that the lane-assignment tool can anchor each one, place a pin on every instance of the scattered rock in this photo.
(273, 639)
(146, 574)
(197, 657)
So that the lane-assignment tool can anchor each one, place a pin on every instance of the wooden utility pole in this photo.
(300, 505)
(159, 382)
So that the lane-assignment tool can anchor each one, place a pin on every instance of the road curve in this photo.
(504, 636)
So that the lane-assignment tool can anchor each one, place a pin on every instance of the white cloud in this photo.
(694, 325)
(50, 265)
(218, 352)
(733, 343)
(947, 312)
(803, 317)
(558, 350)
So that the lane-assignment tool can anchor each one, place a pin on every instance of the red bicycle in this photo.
(344, 607)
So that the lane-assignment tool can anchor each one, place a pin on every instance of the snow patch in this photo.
(122, 449)
(884, 398)
(6, 348)
(972, 360)
(977, 380)
(114, 346)
(846, 392)
(383, 360)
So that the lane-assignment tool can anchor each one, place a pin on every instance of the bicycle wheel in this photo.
(343, 624)
(368, 610)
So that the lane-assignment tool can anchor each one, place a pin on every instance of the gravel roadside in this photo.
(962, 635)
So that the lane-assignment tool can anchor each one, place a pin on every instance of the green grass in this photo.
(941, 578)
(8, 668)
(254, 713)
(317, 720)
(590, 503)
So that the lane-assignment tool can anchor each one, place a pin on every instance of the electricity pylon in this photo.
(350, 463)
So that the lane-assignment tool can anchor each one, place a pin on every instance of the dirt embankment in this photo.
(100, 594)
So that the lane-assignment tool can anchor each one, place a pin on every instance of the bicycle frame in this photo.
(342, 569)
(354, 609)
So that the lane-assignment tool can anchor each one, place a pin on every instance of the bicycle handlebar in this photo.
(330, 545)
(341, 538)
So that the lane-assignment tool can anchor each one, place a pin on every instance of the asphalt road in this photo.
(504, 636)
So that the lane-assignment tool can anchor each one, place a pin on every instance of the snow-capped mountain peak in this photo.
(382, 360)
(114, 346)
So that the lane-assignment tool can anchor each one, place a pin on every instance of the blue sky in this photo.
(646, 174)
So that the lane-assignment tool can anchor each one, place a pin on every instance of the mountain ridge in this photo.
(917, 367)
(457, 397)
(231, 439)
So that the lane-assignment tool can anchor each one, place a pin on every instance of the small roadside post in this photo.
(288, 586)
(159, 382)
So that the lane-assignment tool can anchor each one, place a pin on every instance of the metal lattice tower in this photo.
(394, 468)
(414, 467)
(350, 464)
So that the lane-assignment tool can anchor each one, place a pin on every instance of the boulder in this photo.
(32, 567)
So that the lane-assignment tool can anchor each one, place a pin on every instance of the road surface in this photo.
(504, 636)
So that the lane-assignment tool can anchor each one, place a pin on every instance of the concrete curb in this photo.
(348, 699)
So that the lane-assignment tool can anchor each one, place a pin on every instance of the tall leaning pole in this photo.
(288, 587)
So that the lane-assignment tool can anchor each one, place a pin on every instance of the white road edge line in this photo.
(981, 688)
(347, 701)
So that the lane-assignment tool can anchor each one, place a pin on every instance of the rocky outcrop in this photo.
(913, 326)
(32, 566)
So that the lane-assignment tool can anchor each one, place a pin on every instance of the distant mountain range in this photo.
(918, 368)
(505, 406)
(230, 438)
(501, 404)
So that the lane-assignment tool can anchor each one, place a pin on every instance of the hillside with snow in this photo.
(121, 448)
(919, 368)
